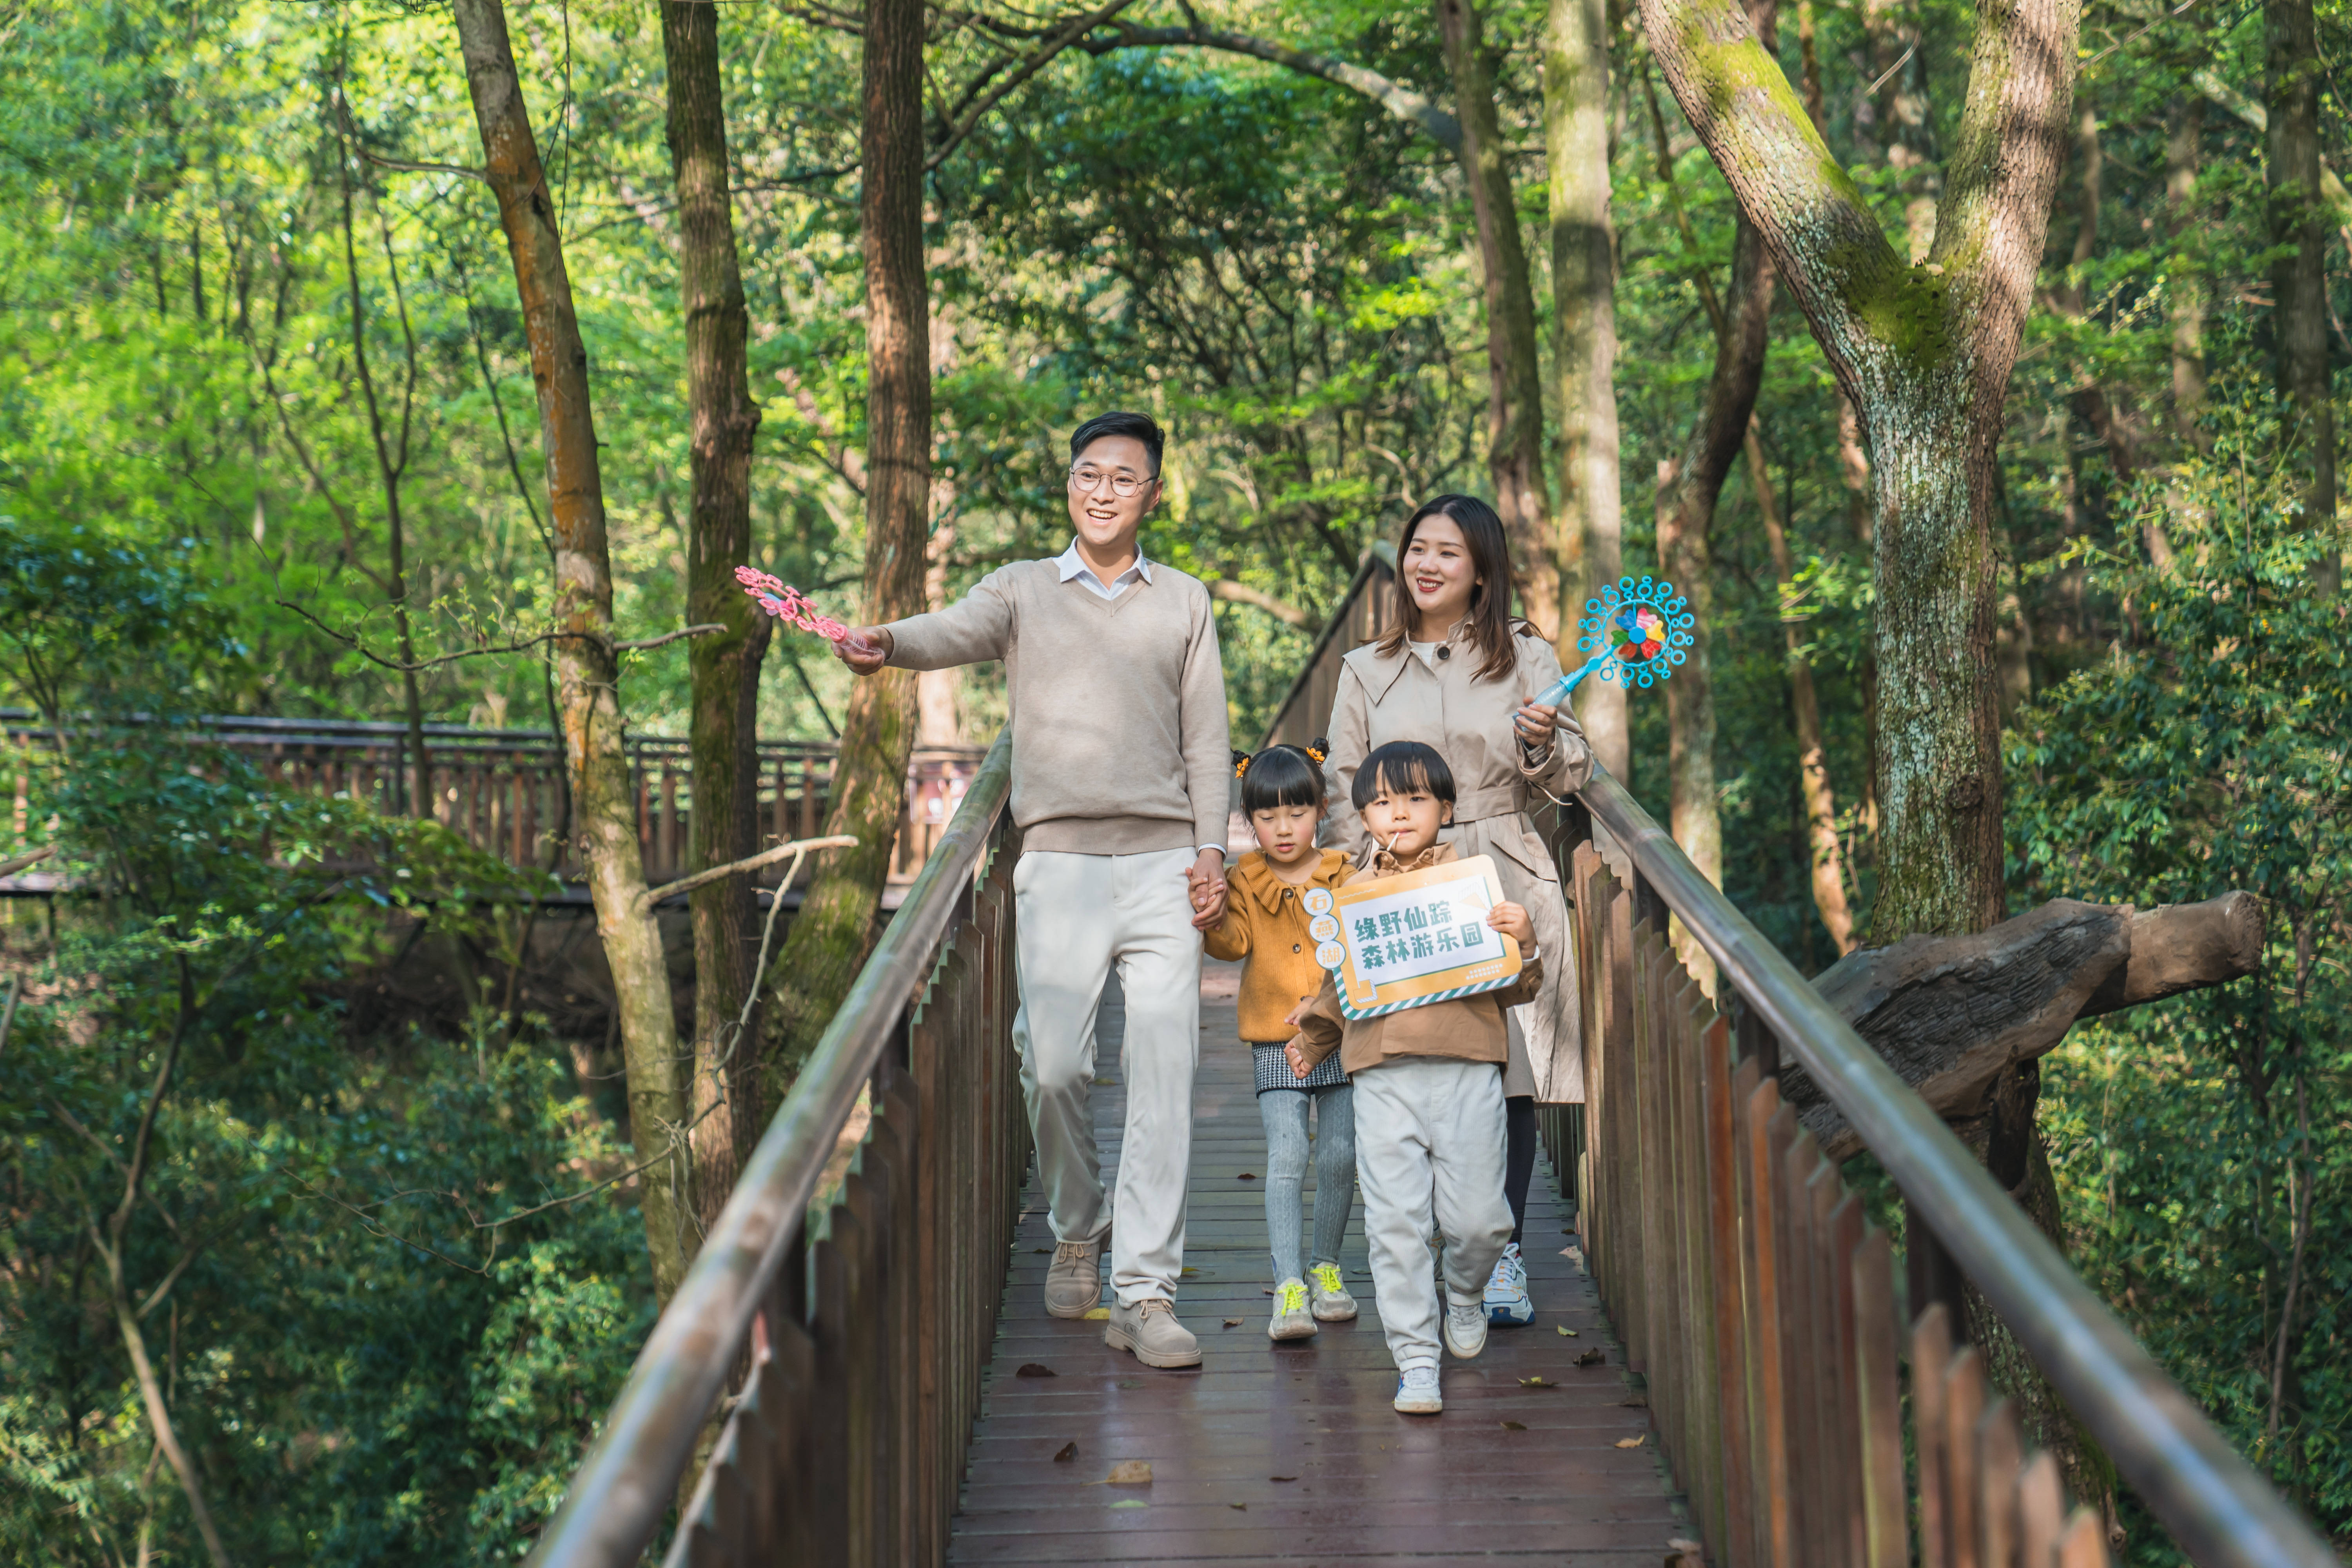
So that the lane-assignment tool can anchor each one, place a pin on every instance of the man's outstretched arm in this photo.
(974, 629)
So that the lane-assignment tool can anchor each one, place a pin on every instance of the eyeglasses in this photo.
(1088, 481)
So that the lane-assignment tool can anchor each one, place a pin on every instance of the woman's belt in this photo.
(1477, 804)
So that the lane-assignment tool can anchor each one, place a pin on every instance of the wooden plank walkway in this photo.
(1291, 1453)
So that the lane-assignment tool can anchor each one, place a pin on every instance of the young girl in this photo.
(1429, 1087)
(1265, 928)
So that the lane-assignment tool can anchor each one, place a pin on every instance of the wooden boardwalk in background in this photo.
(1291, 1453)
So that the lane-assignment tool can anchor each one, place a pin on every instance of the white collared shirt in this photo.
(1069, 566)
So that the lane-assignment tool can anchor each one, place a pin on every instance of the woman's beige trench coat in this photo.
(1443, 704)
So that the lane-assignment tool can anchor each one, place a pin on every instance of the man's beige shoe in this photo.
(1149, 1329)
(1074, 1279)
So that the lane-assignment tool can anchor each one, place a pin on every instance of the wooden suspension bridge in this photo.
(1730, 1364)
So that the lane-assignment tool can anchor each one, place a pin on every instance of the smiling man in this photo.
(1120, 782)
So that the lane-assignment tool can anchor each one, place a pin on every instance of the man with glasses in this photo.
(1120, 780)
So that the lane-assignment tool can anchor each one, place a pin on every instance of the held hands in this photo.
(1296, 1056)
(1512, 920)
(866, 649)
(1205, 884)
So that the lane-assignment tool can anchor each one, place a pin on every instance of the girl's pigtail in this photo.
(1319, 751)
(1241, 763)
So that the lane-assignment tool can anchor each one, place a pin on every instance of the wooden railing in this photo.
(1760, 1304)
(847, 1337)
(504, 790)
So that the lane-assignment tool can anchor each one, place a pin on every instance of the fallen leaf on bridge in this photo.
(1515, 1426)
(1099, 1313)
(1036, 1369)
(1570, 1333)
(1131, 1503)
(1068, 1452)
(1590, 1357)
(1130, 1383)
(1233, 1322)
(1246, 1176)
(1238, 1507)
(1632, 1442)
(1129, 1473)
(1282, 1478)
(1536, 1383)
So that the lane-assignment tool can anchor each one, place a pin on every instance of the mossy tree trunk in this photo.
(725, 667)
(1588, 525)
(1515, 461)
(835, 926)
(1923, 350)
(2298, 222)
(587, 669)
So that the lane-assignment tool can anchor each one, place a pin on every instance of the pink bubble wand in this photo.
(788, 604)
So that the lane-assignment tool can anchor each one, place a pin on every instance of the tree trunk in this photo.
(1828, 859)
(1925, 351)
(725, 667)
(1514, 382)
(587, 672)
(2184, 137)
(835, 926)
(1588, 528)
(2298, 278)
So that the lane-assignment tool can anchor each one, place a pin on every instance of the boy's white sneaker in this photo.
(1507, 1306)
(1332, 1304)
(1291, 1320)
(1417, 1392)
(1465, 1328)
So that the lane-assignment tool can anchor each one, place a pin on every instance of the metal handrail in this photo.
(2217, 1506)
(629, 1479)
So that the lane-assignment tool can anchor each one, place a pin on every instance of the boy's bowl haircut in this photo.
(1402, 765)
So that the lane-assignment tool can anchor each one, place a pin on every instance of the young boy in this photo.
(1429, 1097)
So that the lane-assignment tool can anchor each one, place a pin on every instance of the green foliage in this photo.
(385, 1285)
(2200, 1142)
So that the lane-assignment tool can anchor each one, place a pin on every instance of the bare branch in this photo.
(405, 166)
(1061, 38)
(9, 867)
(361, 648)
(641, 644)
(1394, 97)
(750, 863)
(1235, 593)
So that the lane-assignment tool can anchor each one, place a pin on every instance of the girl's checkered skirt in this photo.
(1274, 1070)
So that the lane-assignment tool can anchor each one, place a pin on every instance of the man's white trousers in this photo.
(1076, 916)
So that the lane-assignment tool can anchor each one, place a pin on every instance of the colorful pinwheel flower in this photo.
(788, 603)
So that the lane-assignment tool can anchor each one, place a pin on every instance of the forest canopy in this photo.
(271, 445)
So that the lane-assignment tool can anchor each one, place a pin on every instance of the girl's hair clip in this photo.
(1241, 763)
(1318, 750)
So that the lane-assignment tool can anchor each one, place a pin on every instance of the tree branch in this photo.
(9, 867)
(361, 648)
(1061, 38)
(1235, 593)
(1396, 98)
(749, 863)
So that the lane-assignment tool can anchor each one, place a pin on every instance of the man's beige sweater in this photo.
(1119, 743)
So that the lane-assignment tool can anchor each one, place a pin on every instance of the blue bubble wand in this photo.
(1636, 633)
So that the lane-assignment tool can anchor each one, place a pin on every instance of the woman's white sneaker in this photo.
(1417, 1392)
(1507, 1306)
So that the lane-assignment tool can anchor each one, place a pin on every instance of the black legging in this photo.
(1518, 1156)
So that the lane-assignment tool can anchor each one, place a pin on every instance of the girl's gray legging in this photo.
(1284, 1110)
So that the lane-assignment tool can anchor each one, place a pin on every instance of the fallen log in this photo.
(1951, 1013)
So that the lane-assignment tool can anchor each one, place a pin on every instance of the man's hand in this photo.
(1296, 1056)
(1512, 920)
(1205, 882)
(866, 649)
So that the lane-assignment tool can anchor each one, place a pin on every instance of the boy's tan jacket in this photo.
(1264, 924)
(1468, 1028)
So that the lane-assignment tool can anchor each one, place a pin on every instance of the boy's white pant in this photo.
(1429, 1147)
(1076, 916)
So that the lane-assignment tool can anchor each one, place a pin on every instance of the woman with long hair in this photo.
(1458, 671)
